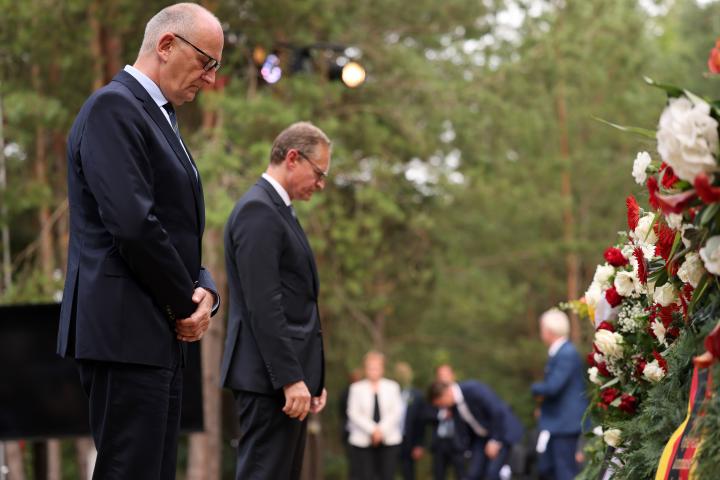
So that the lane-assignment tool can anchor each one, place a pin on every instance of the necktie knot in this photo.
(173, 118)
(292, 212)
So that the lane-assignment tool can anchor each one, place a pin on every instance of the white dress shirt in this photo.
(278, 188)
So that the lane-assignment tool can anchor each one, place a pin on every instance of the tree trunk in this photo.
(14, 458)
(571, 257)
(54, 454)
(6, 260)
(83, 446)
(96, 44)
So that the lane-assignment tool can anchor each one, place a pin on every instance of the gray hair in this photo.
(180, 18)
(303, 136)
(556, 322)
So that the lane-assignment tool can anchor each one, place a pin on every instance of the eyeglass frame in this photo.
(211, 64)
(320, 174)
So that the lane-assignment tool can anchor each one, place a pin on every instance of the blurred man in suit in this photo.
(274, 360)
(135, 290)
(450, 439)
(492, 427)
(562, 393)
(415, 417)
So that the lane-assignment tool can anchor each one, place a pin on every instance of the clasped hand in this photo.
(192, 329)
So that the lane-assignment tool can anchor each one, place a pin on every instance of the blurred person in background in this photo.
(449, 433)
(353, 376)
(491, 425)
(562, 398)
(414, 419)
(375, 412)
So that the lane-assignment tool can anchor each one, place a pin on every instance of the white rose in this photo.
(612, 437)
(643, 232)
(665, 295)
(642, 161)
(710, 255)
(594, 294)
(674, 220)
(609, 343)
(687, 138)
(598, 358)
(653, 372)
(593, 376)
(692, 270)
(659, 330)
(625, 283)
(603, 274)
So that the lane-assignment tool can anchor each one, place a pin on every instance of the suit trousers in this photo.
(271, 444)
(407, 464)
(558, 461)
(446, 455)
(134, 418)
(374, 463)
(481, 467)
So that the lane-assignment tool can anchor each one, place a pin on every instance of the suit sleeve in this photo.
(557, 377)
(257, 239)
(206, 281)
(116, 164)
(494, 406)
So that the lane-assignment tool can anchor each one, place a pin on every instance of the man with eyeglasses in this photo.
(135, 291)
(274, 360)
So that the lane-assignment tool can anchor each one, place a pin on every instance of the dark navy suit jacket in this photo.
(136, 221)
(416, 417)
(273, 333)
(563, 392)
(491, 412)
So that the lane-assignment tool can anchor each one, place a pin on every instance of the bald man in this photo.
(135, 291)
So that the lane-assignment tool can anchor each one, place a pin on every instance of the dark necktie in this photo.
(376, 410)
(173, 122)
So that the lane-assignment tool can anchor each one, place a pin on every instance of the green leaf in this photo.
(611, 383)
(671, 90)
(637, 130)
(708, 213)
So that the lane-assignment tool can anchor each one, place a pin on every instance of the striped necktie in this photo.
(173, 122)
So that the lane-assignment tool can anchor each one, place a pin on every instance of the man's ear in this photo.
(165, 45)
(291, 159)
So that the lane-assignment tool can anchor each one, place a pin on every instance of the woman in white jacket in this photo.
(375, 411)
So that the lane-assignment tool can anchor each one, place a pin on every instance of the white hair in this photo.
(180, 18)
(556, 322)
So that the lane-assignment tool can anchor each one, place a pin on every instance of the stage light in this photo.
(271, 71)
(353, 74)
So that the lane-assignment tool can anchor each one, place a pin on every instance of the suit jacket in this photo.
(273, 334)
(490, 412)
(136, 221)
(361, 405)
(416, 413)
(563, 391)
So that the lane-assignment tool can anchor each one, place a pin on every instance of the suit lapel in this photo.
(161, 122)
(294, 225)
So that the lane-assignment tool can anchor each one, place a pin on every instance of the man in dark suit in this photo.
(274, 360)
(450, 439)
(414, 421)
(135, 289)
(562, 393)
(492, 426)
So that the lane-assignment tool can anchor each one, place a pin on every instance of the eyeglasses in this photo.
(211, 64)
(319, 173)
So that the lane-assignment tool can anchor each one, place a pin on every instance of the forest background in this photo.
(472, 186)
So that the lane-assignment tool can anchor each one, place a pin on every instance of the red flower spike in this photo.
(642, 266)
(661, 361)
(613, 297)
(666, 238)
(669, 178)
(705, 190)
(633, 212)
(666, 314)
(652, 186)
(615, 257)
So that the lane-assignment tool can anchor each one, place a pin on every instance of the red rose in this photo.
(714, 59)
(640, 366)
(606, 326)
(628, 403)
(633, 212)
(613, 297)
(590, 359)
(615, 257)
(602, 369)
(608, 395)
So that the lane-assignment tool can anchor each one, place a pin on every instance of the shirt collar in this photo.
(457, 393)
(151, 87)
(556, 345)
(278, 188)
